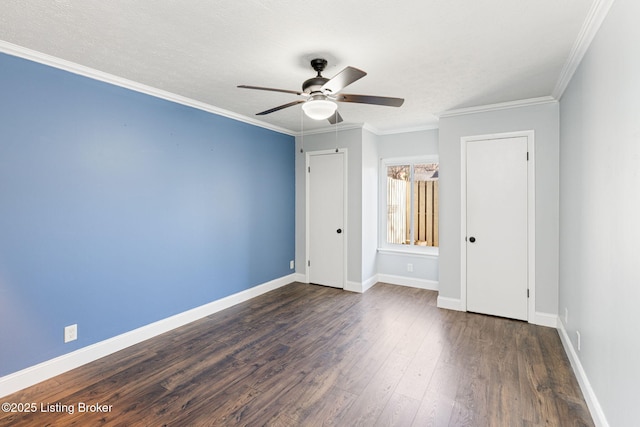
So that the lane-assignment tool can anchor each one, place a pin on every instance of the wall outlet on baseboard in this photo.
(566, 316)
(579, 339)
(410, 268)
(292, 265)
(70, 333)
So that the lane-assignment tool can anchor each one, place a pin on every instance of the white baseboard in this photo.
(350, 286)
(450, 303)
(361, 287)
(49, 369)
(353, 287)
(539, 318)
(367, 284)
(412, 282)
(589, 395)
(545, 319)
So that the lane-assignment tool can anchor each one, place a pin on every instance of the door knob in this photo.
(339, 230)
(472, 239)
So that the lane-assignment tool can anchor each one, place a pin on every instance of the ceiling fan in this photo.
(321, 94)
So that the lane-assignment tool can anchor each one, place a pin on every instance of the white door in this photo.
(496, 240)
(326, 219)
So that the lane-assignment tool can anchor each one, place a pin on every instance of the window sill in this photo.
(433, 253)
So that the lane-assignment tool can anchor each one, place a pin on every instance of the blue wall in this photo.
(118, 209)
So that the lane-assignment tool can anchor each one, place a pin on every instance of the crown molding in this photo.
(378, 132)
(332, 129)
(593, 21)
(499, 106)
(81, 70)
(368, 127)
(429, 126)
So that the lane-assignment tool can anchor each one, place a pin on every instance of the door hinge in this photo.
(308, 263)
(309, 169)
(527, 156)
(527, 293)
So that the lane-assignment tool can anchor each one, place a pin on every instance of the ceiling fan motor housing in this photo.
(319, 64)
(322, 94)
(314, 84)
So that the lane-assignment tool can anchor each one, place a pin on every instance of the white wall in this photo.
(364, 151)
(352, 141)
(407, 144)
(544, 121)
(369, 207)
(393, 266)
(600, 213)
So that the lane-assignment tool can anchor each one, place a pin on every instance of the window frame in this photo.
(383, 245)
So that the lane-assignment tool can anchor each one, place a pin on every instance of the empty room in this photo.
(295, 213)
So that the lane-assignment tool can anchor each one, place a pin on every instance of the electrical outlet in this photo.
(292, 265)
(579, 339)
(70, 333)
(410, 268)
(566, 316)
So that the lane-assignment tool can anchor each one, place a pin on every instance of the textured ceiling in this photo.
(437, 54)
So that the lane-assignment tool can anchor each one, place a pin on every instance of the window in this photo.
(410, 205)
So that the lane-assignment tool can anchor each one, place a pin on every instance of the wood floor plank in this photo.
(439, 399)
(503, 371)
(371, 402)
(534, 381)
(330, 411)
(416, 379)
(311, 355)
(399, 411)
(564, 385)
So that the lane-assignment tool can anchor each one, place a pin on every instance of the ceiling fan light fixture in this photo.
(321, 94)
(319, 109)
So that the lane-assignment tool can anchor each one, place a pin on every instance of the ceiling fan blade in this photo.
(335, 118)
(368, 99)
(295, 92)
(343, 79)
(291, 104)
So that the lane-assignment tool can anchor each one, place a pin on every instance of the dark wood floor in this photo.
(307, 355)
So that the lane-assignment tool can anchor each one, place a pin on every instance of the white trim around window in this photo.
(383, 245)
